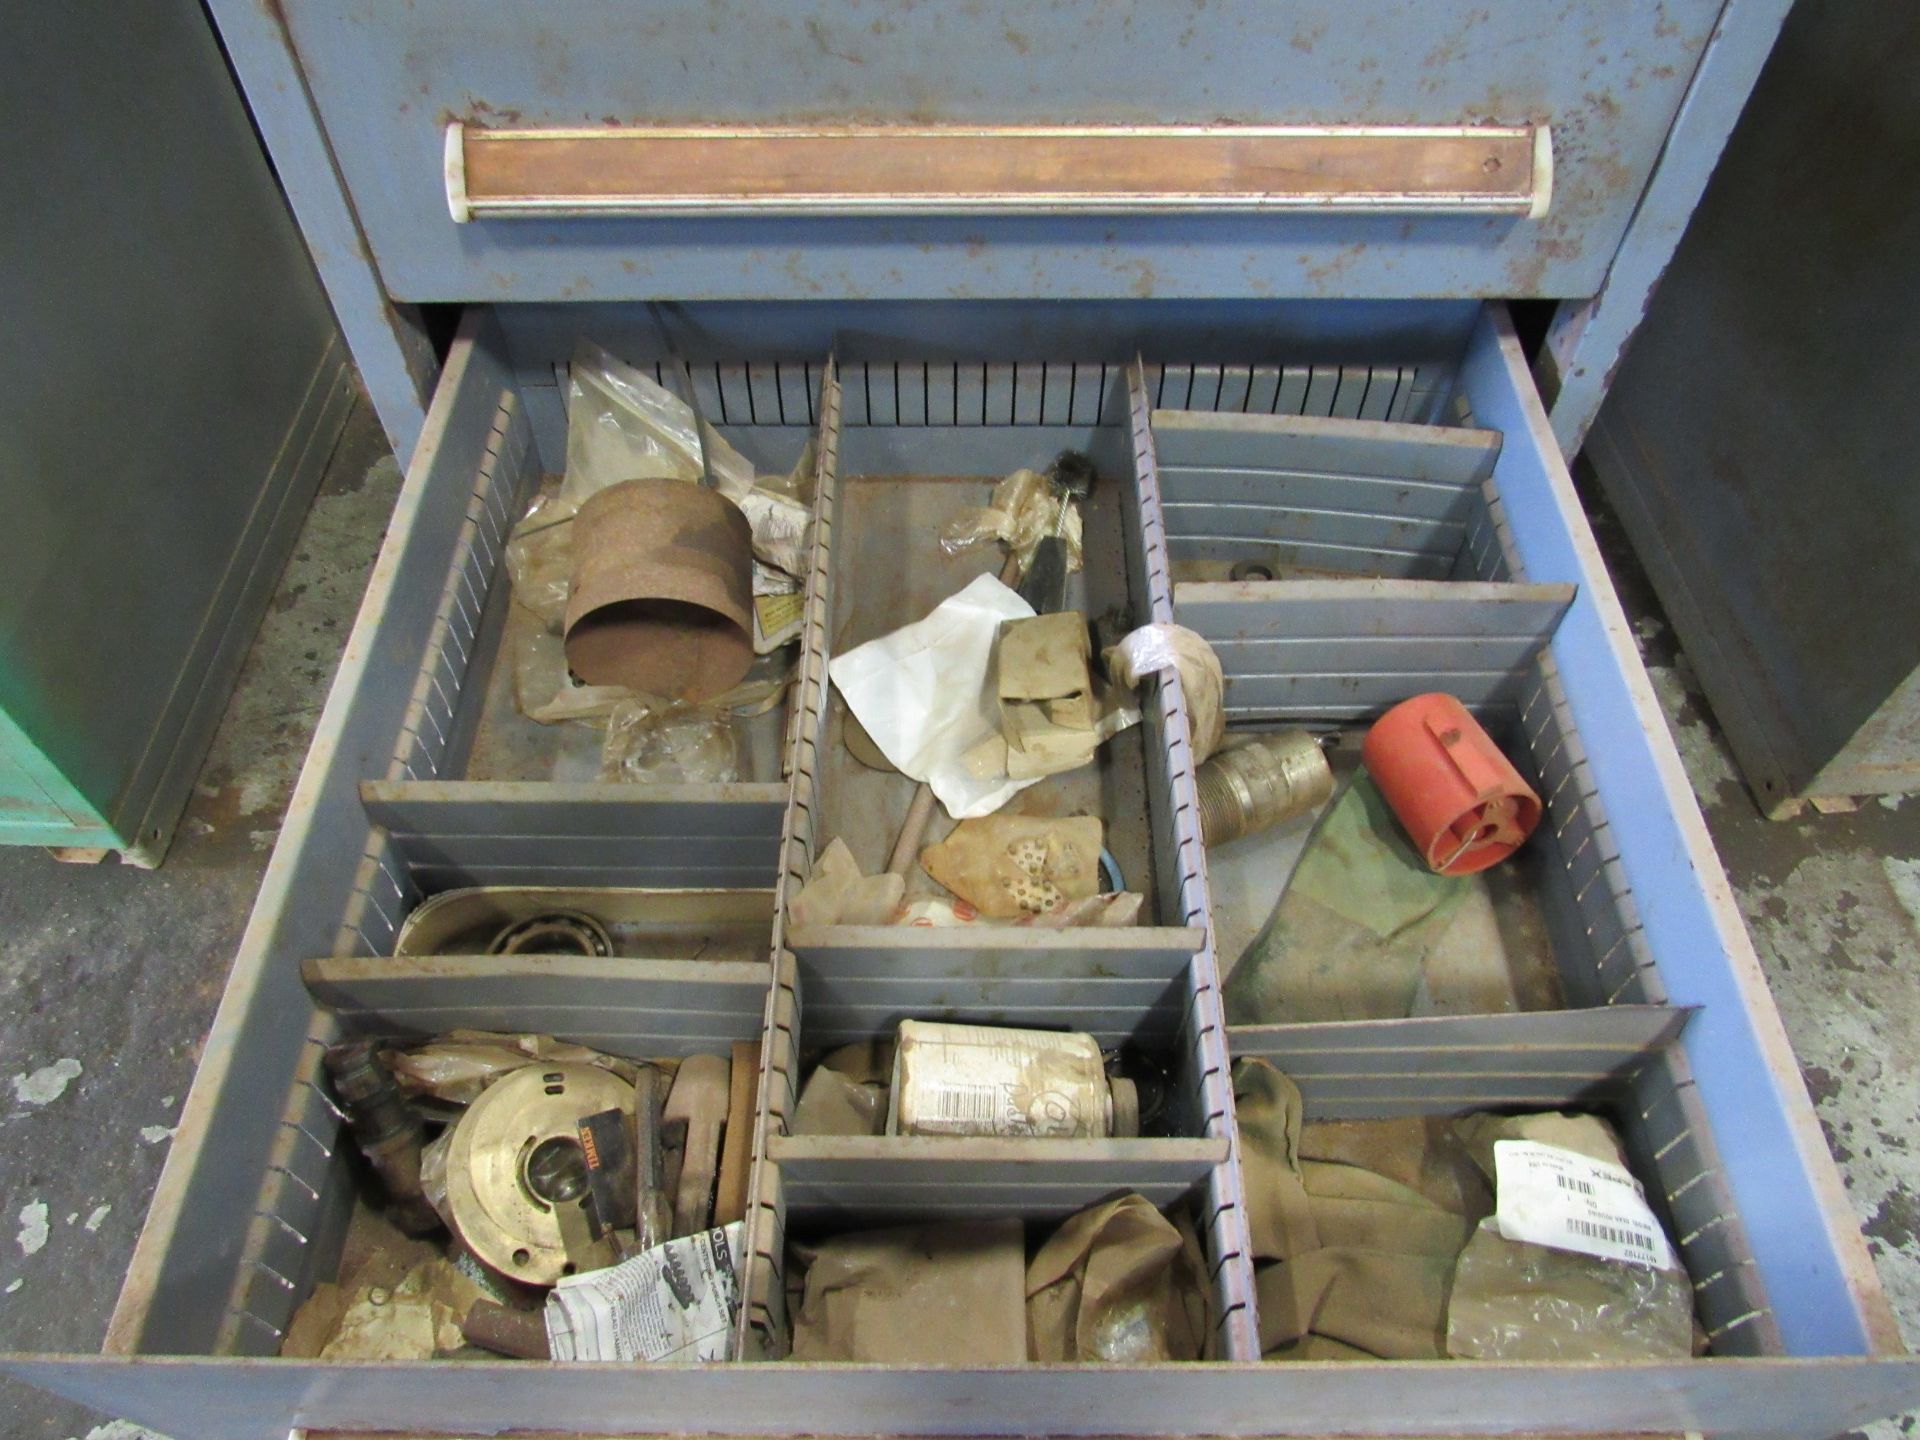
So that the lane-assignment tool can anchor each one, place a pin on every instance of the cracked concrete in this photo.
(109, 975)
(1833, 905)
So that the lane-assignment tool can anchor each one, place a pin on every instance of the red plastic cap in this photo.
(1461, 801)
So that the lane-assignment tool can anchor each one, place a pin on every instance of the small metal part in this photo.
(1045, 584)
(650, 924)
(653, 1205)
(388, 1132)
(992, 1080)
(517, 1179)
(521, 1334)
(1250, 570)
(606, 1147)
(560, 932)
(1255, 786)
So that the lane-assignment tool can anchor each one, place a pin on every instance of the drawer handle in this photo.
(890, 170)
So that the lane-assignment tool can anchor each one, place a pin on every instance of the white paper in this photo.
(675, 1303)
(921, 692)
(1568, 1201)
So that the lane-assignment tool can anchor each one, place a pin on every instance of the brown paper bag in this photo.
(1359, 1260)
(1119, 1284)
(941, 1294)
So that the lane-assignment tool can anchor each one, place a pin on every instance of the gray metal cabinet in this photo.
(171, 384)
(1759, 442)
(1008, 332)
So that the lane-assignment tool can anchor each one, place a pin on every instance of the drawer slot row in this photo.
(452, 834)
(438, 726)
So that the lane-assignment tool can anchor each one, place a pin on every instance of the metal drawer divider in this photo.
(1616, 1051)
(825, 1169)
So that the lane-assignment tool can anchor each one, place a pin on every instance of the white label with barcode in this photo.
(1566, 1200)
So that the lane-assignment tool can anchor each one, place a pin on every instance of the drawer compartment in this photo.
(252, 1206)
(886, 489)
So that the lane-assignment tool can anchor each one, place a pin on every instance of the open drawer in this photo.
(252, 1206)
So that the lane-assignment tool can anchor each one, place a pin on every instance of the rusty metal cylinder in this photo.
(662, 598)
(1255, 786)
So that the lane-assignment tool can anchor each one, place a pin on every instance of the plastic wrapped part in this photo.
(1161, 647)
(675, 743)
(1007, 866)
(1023, 511)
(545, 692)
(625, 425)
(847, 1092)
(996, 1081)
(836, 893)
(951, 1293)
(1516, 1300)
(539, 558)
(455, 1068)
(779, 608)
(1117, 1284)
(622, 425)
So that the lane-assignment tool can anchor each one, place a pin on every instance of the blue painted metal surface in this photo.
(1771, 1145)
(1587, 340)
(396, 362)
(1607, 74)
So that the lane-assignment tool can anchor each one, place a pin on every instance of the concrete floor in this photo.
(109, 976)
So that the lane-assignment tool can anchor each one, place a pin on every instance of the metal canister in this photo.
(662, 598)
(1255, 786)
(985, 1080)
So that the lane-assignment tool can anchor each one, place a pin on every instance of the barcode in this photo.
(971, 1104)
(1613, 1234)
(1579, 1187)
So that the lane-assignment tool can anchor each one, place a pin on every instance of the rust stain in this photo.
(821, 39)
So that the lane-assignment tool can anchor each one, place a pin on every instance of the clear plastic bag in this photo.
(1024, 509)
(1512, 1300)
(653, 742)
(539, 559)
(1515, 1301)
(543, 689)
(624, 425)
